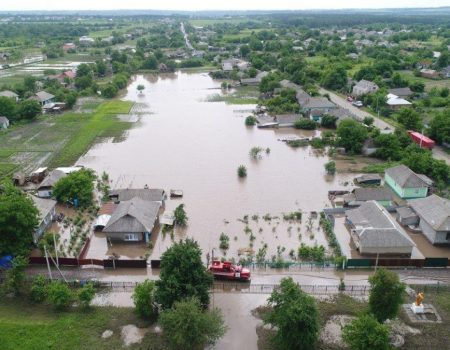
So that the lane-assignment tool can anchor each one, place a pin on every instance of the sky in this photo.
(195, 5)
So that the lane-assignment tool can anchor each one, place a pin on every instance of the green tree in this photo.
(83, 82)
(140, 88)
(109, 90)
(330, 167)
(351, 135)
(18, 219)
(15, 276)
(389, 147)
(77, 186)
(295, 315)
(86, 294)
(29, 83)
(38, 292)
(8, 107)
(101, 68)
(306, 124)
(144, 299)
(440, 127)
(28, 109)
(410, 119)
(84, 70)
(186, 326)
(368, 121)
(183, 275)
(181, 217)
(328, 121)
(59, 295)
(386, 294)
(366, 333)
(335, 78)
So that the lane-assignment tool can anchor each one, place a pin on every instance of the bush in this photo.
(366, 333)
(144, 300)
(250, 120)
(224, 241)
(38, 292)
(330, 167)
(242, 171)
(59, 295)
(306, 124)
(86, 294)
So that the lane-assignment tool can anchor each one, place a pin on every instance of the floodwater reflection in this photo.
(183, 142)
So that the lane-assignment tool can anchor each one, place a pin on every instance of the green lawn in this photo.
(28, 326)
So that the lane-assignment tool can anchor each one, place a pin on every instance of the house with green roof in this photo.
(406, 183)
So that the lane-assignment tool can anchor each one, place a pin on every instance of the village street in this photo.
(438, 152)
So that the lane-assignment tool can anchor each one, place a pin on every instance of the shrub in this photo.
(38, 291)
(255, 152)
(86, 294)
(306, 124)
(144, 300)
(59, 295)
(250, 120)
(366, 333)
(242, 171)
(330, 167)
(224, 241)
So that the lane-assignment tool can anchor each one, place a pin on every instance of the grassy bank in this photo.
(59, 140)
(28, 326)
(103, 123)
(238, 96)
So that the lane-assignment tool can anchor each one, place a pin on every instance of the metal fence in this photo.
(229, 287)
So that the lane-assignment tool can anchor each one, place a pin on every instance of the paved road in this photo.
(342, 102)
(438, 152)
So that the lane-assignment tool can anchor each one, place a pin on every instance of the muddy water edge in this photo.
(181, 141)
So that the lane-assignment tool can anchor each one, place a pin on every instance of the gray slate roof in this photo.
(401, 92)
(318, 102)
(133, 216)
(405, 177)
(7, 93)
(376, 194)
(4, 120)
(287, 118)
(44, 96)
(434, 210)
(52, 178)
(45, 206)
(376, 228)
(149, 194)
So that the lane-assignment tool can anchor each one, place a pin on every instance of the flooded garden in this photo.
(182, 141)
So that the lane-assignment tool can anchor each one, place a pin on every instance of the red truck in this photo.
(421, 140)
(226, 270)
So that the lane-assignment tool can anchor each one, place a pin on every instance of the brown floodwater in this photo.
(183, 142)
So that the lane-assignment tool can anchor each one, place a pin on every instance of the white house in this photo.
(4, 123)
(395, 102)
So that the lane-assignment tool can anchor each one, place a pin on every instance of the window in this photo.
(448, 236)
(131, 237)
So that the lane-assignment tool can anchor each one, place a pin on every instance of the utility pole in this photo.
(56, 250)
(48, 264)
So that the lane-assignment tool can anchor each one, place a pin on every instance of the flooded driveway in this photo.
(183, 142)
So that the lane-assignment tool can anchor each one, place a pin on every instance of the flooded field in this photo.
(183, 142)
